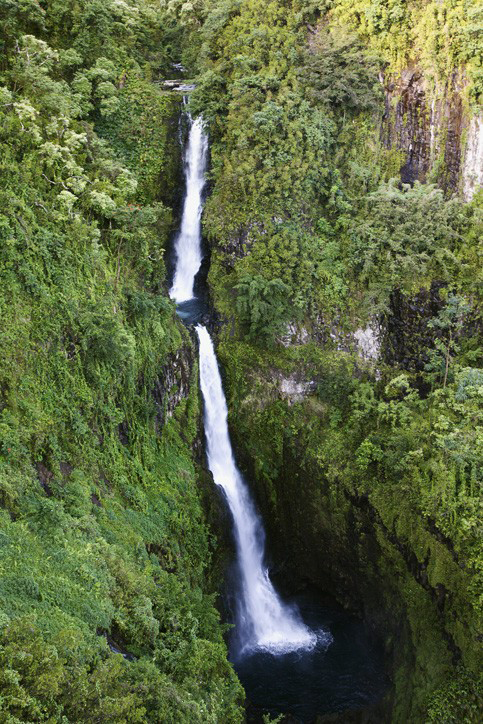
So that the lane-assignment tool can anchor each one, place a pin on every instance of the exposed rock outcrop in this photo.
(368, 342)
(406, 336)
(473, 161)
(431, 124)
(294, 390)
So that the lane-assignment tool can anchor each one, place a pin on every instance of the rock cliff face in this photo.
(473, 160)
(406, 335)
(174, 383)
(406, 123)
(441, 137)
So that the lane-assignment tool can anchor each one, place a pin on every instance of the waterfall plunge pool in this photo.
(344, 673)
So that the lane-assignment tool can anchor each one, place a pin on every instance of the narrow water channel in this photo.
(297, 657)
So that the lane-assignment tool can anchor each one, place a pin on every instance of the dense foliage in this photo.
(104, 547)
(103, 544)
(302, 190)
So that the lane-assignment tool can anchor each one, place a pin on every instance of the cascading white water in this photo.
(263, 620)
(188, 241)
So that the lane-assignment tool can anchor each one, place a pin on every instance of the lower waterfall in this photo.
(263, 620)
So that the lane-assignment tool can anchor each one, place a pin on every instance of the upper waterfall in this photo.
(188, 241)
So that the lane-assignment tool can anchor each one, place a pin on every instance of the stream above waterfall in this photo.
(297, 657)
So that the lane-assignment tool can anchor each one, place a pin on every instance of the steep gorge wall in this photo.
(371, 550)
(105, 607)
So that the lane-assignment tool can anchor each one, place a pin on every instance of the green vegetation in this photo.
(440, 35)
(303, 191)
(102, 535)
(104, 545)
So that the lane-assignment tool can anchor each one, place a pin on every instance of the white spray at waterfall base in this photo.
(263, 620)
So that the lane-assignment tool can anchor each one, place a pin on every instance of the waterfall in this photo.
(263, 620)
(188, 241)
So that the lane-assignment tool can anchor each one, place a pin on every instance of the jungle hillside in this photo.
(342, 237)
